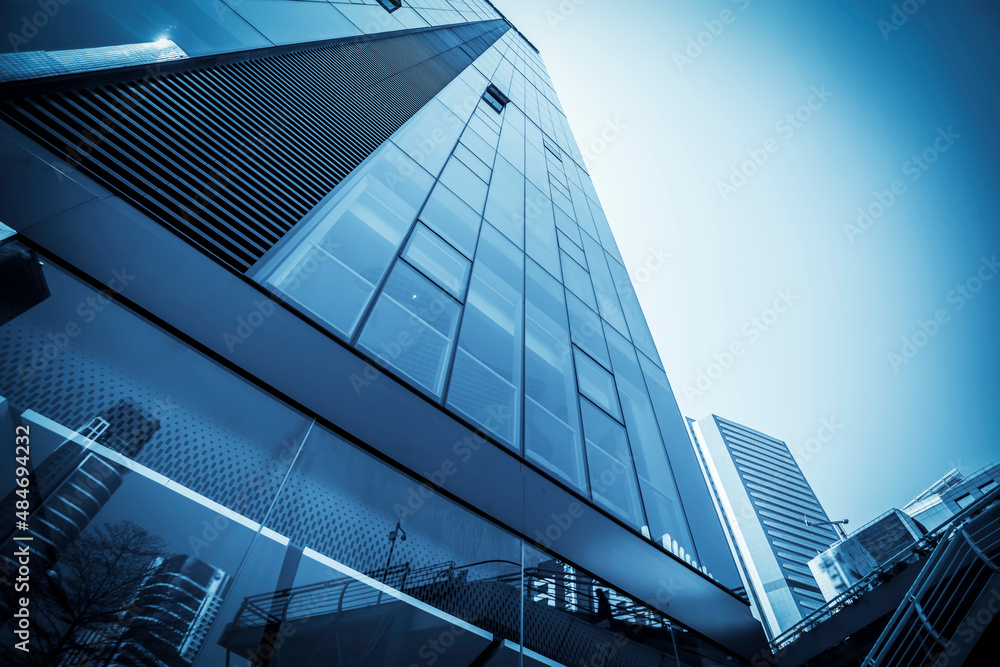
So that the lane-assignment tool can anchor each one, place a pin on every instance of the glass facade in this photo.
(466, 256)
(190, 518)
(504, 224)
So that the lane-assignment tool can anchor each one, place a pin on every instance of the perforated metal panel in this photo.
(231, 157)
(75, 384)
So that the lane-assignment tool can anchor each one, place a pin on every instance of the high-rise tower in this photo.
(770, 512)
(349, 257)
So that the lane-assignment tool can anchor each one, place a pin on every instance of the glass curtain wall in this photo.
(473, 261)
(169, 510)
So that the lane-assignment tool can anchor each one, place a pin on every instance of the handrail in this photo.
(947, 552)
(873, 579)
(333, 596)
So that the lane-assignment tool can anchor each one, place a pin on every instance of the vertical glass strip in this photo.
(551, 421)
(486, 376)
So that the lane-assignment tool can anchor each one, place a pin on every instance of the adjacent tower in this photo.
(766, 504)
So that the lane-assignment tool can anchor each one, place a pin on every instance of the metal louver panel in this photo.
(232, 156)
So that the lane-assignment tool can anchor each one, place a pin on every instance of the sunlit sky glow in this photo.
(881, 94)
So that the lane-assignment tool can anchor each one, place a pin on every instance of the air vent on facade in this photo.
(495, 98)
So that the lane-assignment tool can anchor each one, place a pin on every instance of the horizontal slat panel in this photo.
(231, 157)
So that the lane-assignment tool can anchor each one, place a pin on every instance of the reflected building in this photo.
(176, 606)
(72, 484)
(769, 510)
(349, 262)
(166, 621)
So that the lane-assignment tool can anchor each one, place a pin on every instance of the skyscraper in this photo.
(348, 256)
(770, 512)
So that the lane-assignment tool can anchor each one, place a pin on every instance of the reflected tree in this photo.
(82, 607)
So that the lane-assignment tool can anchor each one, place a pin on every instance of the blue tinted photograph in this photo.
(337, 333)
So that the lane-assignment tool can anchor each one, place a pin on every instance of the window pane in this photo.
(350, 239)
(587, 329)
(666, 518)
(412, 328)
(534, 167)
(637, 326)
(486, 377)
(656, 476)
(578, 280)
(582, 208)
(465, 184)
(429, 135)
(561, 201)
(551, 422)
(511, 145)
(452, 218)
(539, 230)
(603, 229)
(572, 249)
(479, 147)
(597, 384)
(566, 225)
(469, 159)
(612, 479)
(644, 434)
(437, 260)
(505, 205)
(487, 132)
(604, 286)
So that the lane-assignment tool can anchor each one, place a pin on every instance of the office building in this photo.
(773, 518)
(946, 497)
(347, 257)
(165, 621)
(178, 603)
(852, 558)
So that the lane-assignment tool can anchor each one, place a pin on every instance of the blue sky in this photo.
(749, 135)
